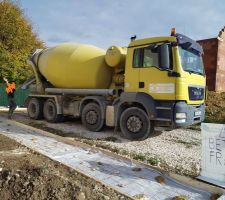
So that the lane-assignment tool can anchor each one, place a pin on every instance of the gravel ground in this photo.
(178, 151)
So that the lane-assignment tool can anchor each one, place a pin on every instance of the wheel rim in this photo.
(91, 117)
(134, 124)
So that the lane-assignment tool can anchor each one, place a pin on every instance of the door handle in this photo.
(173, 74)
(141, 84)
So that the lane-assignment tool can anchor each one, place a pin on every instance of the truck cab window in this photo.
(151, 58)
(136, 58)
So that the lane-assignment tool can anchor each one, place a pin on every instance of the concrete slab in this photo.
(115, 172)
(222, 197)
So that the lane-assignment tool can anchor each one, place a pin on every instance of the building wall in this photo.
(220, 71)
(210, 47)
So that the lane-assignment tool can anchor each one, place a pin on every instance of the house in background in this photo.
(214, 61)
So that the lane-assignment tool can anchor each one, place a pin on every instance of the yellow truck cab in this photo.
(170, 71)
(154, 82)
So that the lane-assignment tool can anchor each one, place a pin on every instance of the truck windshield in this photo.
(191, 62)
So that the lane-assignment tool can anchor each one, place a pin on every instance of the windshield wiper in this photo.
(194, 72)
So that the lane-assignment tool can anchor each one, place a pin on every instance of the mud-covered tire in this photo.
(135, 124)
(35, 108)
(92, 118)
(50, 112)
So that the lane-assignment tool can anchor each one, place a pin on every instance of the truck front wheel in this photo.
(50, 112)
(135, 124)
(35, 108)
(91, 117)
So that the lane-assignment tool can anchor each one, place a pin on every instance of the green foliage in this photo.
(17, 41)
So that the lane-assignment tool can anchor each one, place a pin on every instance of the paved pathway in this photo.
(122, 175)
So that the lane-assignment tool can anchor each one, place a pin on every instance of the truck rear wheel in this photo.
(91, 117)
(135, 124)
(35, 108)
(50, 112)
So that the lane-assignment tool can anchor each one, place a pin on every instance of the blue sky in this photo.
(112, 22)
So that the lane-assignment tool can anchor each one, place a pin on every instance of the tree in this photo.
(17, 41)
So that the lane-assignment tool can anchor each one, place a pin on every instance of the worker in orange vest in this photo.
(10, 89)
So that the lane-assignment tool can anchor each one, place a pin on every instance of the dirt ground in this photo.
(215, 107)
(25, 174)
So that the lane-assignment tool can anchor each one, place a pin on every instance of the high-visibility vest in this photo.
(10, 87)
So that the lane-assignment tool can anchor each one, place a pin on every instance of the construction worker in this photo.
(10, 89)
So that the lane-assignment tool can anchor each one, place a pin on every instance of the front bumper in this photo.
(194, 114)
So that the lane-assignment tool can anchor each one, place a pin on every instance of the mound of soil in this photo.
(34, 184)
(215, 107)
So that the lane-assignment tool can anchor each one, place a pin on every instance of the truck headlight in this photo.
(181, 116)
(180, 121)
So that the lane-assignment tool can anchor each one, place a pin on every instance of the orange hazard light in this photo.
(173, 31)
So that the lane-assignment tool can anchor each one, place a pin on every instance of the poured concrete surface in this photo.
(120, 174)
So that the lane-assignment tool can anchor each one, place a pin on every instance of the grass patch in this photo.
(89, 142)
(153, 160)
(188, 144)
(141, 157)
(149, 159)
(196, 127)
(209, 119)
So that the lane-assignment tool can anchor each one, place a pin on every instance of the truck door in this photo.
(132, 70)
(153, 79)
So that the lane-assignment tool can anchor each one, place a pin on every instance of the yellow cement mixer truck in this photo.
(154, 82)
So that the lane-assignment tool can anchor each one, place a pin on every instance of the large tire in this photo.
(50, 112)
(92, 118)
(35, 108)
(135, 124)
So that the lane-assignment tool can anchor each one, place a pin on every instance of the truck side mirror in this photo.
(164, 56)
